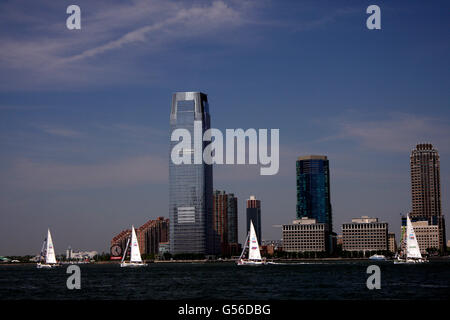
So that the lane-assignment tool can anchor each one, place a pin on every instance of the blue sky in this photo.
(84, 114)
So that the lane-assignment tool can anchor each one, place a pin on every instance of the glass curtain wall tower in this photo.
(313, 189)
(190, 185)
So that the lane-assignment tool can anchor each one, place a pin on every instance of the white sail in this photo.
(135, 253)
(253, 245)
(412, 246)
(50, 250)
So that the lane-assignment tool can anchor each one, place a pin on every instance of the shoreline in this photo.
(229, 261)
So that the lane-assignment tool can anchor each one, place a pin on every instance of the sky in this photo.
(84, 114)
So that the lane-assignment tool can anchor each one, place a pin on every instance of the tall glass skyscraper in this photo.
(313, 189)
(190, 185)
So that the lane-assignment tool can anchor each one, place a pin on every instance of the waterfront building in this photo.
(80, 255)
(121, 240)
(339, 240)
(365, 234)
(225, 219)
(305, 235)
(164, 247)
(392, 244)
(269, 247)
(232, 214)
(427, 234)
(313, 189)
(254, 214)
(151, 234)
(426, 188)
(191, 185)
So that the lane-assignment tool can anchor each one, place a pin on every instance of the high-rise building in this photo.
(365, 234)
(313, 189)
(225, 219)
(254, 214)
(232, 219)
(426, 188)
(220, 217)
(191, 185)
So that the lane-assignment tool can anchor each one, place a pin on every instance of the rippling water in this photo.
(326, 280)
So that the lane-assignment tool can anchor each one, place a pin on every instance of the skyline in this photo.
(83, 115)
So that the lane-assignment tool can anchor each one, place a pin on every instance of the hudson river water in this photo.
(306, 281)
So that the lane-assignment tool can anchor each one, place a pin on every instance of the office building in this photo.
(225, 220)
(426, 188)
(313, 189)
(305, 235)
(392, 244)
(254, 214)
(191, 185)
(427, 234)
(365, 234)
(232, 214)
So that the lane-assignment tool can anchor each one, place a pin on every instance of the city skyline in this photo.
(83, 114)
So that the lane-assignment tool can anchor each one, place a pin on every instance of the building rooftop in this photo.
(305, 220)
(364, 219)
(312, 157)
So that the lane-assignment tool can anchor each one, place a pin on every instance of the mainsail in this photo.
(412, 246)
(50, 250)
(253, 245)
(135, 253)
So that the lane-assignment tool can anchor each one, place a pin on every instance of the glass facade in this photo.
(190, 185)
(313, 189)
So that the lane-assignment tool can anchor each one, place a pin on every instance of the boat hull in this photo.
(243, 262)
(410, 261)
(132, 264)
(46, 266)
(377, 257)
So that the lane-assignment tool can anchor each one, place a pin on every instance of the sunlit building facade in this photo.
(191, 185)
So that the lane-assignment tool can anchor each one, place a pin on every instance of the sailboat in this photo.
(412, 249)
(47, 253)
(254, 256)
(135, 256)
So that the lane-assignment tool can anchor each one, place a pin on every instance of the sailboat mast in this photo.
(126, 248)
(42, 249)
(245, 246)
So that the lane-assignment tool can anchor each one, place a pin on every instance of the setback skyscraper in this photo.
(254, 214)
(313, 189)
(426, 188)
(190, 185)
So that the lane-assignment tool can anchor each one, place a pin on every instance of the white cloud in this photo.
(398, 132)
(60, 131)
